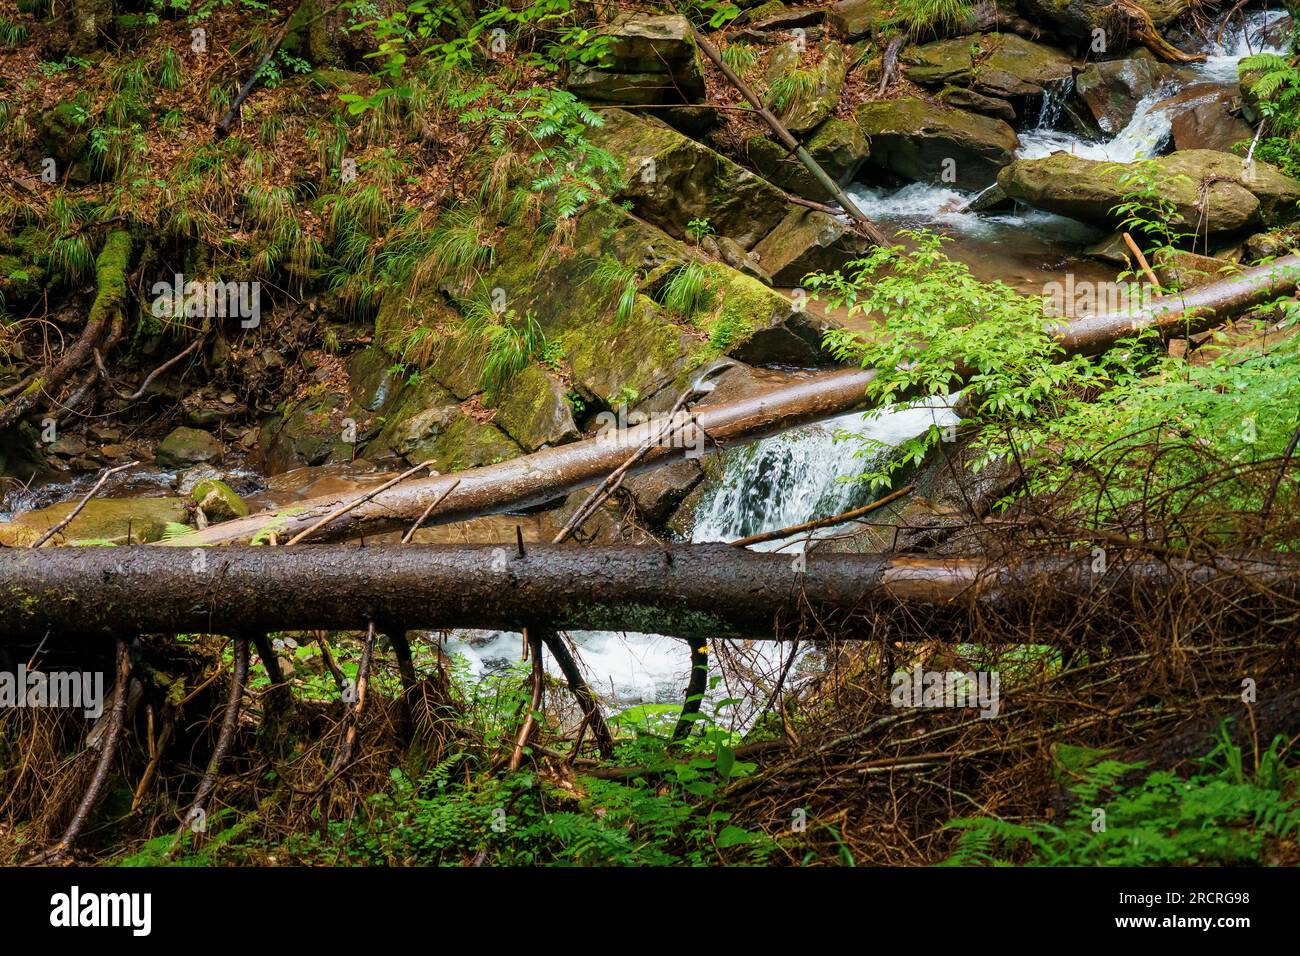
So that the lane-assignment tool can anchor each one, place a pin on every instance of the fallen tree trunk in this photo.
(554, 472)
(711, 590)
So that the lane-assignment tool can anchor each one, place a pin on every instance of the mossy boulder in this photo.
(1078, 18)
(808, 241)
(428, 424)
(312, 431)
(915, 140)
(535, 410)
(939, 62)
(64, 138)
(856, 19)
(808, 107)
(1010, 66)
(1209, 189)
(184, 447)
(838, 146)
(672, 180)
(218, 500)
(652, 59)
(109, 520)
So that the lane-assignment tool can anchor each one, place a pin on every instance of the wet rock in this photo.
(1202, 118)
(1010, 66)
(188, 446)
(913, 139)
(103, 520)
(658, 493)
(672, 180)
(1266, 245)
(67, 446)
(311, 432)
(838, 146)
(1235, 195)
(964, 99)
(809, 109)
(218, 500)
(652, 59)
(1000, 65)
(536, 411)
(428, 424)
(1112, 89)
(808, 241)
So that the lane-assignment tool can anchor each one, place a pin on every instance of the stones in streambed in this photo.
(185, 446)
(919, 141)
(671, 180)
(837, 145)
(102, 521)
(1112, 89)
(651, 59)
(808, 240)
(218, 501)
(1212, 191)
(820, 71)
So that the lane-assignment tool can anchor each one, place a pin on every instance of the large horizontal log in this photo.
(553, 472)
(687, 590)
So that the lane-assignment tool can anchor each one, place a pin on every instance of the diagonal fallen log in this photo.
(546, 475)
(711, 590)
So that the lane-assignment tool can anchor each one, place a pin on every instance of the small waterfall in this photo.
(1053, 102)
(804, 474)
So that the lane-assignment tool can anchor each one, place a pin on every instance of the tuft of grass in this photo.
(170, 72)
(686, 293)
(613, 277)
(12, 34)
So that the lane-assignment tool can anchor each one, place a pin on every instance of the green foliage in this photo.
(686, 293)
(564, 165)
(921, 17)
(1274, 82)
(1220, 815)
(697, 229)
(613, 277)
(1133, 424)
(510, 343)
(1148, 208)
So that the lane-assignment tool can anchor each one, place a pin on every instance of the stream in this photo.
(800, 475)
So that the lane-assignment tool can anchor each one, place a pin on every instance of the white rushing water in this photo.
(1146, 135)
(767, 485)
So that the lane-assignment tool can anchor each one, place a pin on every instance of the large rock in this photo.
(805, 111)
(672, 180)
(184, 447)
(1112, 89)
(915, 140)
(1202, 118)
(808, 241)
(1008, 65)
(1078, 18)
(652, 59)
(838, 146)
(855, 19)
(993, 64)
(1236, 195)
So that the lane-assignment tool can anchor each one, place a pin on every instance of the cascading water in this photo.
(769, 484)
